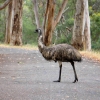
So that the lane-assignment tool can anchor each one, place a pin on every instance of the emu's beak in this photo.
(35, 31)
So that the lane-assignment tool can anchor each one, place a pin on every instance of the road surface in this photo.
(26, 75)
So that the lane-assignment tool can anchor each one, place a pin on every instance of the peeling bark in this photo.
(81, 31)
(14, 23)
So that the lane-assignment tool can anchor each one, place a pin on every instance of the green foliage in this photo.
(95, 30)
(1, 37)
(70, 22)
(64, 36)
(2, 1)
(29, 37)
(64, 39)
(96, 44)
(28, 32)
(2, 25)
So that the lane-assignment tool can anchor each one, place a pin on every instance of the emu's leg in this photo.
(60, 66)
(76, 79)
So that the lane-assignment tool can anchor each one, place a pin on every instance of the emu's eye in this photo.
(39, 30)
(36, 30)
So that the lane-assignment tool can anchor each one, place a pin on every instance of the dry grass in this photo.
(91, 55)
(28, 47)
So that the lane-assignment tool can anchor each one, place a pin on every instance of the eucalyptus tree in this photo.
(14, 23)
(81, 32)
(13, 34)
(50, 21)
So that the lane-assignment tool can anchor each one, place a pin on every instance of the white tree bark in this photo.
(9, 22)
(87, 35)
(81, 32)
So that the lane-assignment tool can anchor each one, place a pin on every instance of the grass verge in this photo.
(94, 55)
(28, 46)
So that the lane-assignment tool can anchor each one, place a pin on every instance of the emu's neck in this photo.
(40, 43)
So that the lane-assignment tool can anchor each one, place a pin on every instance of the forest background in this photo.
(63, 31)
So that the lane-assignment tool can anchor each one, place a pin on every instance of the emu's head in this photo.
(38, 31)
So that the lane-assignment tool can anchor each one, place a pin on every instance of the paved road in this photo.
(25, 75)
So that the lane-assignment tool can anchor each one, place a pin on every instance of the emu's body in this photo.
(60, 53)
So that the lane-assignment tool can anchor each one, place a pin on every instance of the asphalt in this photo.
(26, 75)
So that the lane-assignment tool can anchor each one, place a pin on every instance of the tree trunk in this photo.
(14, 23)
(9, 22)
(78, 30)
(81, 32)
(87, 35)
(50, 23)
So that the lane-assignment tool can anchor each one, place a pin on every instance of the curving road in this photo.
(25, 75)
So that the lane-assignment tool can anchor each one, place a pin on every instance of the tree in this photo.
(81, 32)
(50, 21)
(87, 35)
(14, 23)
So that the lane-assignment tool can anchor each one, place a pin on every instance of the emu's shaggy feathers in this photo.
(61, 52)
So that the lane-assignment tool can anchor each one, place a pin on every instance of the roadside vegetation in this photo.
(94, 55)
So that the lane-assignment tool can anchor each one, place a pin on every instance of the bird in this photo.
(59, 53)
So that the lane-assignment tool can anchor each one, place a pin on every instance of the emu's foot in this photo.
(76, 80)
(57, 81)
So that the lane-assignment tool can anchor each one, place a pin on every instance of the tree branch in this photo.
(36, 13)
(7, 2)
(65, 10)
(60, 13)
(46, 16)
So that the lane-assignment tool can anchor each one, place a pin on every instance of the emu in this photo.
(59, 53)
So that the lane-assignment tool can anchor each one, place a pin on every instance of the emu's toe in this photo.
(57, 81)
(76, 80)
